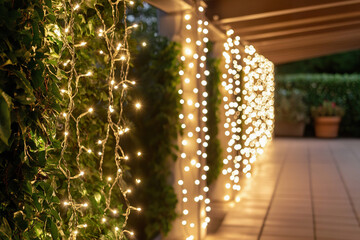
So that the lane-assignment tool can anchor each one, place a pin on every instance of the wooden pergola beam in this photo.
(302, 41)
(265, 9)
(316, 20)
(292, 56)
(304, 30)
(314, 50)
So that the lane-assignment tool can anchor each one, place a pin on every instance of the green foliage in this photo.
(342, 89)
(156, 70)
(31, 127)
(290, 106)
(340, 63)
(28, 109)
(213, 160)
(327, 109)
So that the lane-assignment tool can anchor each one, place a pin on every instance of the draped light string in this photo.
(116, 51)
(257, 107)
(232, 126)
(249, 110)
(194, 117)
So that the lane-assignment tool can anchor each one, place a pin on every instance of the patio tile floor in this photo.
(301, 189)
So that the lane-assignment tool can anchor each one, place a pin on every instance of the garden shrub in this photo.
(344, 90)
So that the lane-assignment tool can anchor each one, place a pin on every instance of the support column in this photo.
(189, 171)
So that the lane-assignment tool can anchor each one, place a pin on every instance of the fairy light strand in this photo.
(117, 50)
(194, 117)
(249, 109)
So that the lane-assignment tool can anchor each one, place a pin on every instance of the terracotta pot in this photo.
(327, 127)
(289, 129)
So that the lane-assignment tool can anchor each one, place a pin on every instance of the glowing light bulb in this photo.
(118, 46)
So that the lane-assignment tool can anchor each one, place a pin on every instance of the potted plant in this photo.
(327, 119)
(290, 113)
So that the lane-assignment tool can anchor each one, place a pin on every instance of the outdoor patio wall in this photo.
(341, 89)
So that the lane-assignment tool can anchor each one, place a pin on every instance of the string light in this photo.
(113, 128)
(249, 112)
(194, 100)
(258, 107)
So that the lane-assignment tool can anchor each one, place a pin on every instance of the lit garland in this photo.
(249, 109)
(193, 97)
(257, 107)
(231, 83)
(117, 53)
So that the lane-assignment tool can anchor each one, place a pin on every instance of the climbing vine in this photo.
(214, 160)
(29, 106)
(57, 158)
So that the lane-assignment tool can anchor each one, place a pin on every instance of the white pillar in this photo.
(189, 168)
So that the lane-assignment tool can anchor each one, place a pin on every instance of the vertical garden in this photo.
(89, 121)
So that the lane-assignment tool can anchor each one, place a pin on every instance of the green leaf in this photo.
(5, 120)
(41, 159)
(55, 214)
(25, 84)
(37, 78)
(54, 230)
(20, 221)
(5, 230)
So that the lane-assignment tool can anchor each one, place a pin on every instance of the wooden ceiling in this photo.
(291, 30)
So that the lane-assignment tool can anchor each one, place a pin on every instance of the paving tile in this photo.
(324, 193)
(337, 234)
(288, 231)
(239, 230)
(266, 237)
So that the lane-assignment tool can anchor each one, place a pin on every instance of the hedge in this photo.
(344, 90)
